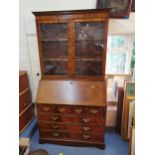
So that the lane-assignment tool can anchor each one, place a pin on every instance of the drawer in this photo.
(25, 118)
(54, 109)
(44, 108)
(71, 119)
(24, 100)
(70, 127)
(54, 134)
(72, 136)
(23, 82)
(94, 111)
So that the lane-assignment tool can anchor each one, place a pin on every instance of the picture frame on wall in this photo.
(128, 118)
(133, 6)
(128, 114)
(129, 88)
(132, 141)
(131, 116)
(119, 8)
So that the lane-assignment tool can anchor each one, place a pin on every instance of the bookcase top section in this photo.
(67, 12)
(84, 93)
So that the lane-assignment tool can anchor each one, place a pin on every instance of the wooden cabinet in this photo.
(72, 44)
(71, 99)
(25, 102)
(71, 112)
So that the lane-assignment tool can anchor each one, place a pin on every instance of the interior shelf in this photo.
(51, 40)
(88, 59)
(55, 59)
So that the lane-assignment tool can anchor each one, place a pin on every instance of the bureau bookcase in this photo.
(71, 99)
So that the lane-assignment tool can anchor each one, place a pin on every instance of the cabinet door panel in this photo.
(54, 42)
(89, 43)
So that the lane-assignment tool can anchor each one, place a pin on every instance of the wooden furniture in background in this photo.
(25, 102)
(72, 112)
(72, 44)
(120, 96)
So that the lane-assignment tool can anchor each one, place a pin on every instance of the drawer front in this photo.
(23, 82)
(72, 119)
(72, 136)
(25, 118)
(54, 109)
(94, 111)
(71, 127)
(53, 134)
(24, 100)
(44, 108)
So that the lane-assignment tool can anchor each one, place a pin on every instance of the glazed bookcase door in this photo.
(89, 48)
(54, 44)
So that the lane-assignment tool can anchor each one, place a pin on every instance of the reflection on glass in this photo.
(89, 45)
(55, 48)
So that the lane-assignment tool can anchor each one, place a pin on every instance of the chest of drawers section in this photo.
(75, 124)
(71, 112)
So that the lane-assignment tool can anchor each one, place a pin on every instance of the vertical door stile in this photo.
(40, 48)
(104, 48)
(71, 48)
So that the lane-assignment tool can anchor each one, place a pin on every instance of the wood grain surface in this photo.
(72, 92)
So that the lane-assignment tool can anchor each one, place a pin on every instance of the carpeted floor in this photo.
(114, 146)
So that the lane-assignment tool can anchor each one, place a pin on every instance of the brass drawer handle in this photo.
(94, 111)
(85, 128)
(46, 108)
(55, 126)
(86, 136)
(54, 118)
(62, 109)
(86, 120)
(56, 134)
(78, 111)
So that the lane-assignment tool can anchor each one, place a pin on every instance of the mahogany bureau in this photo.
(25, 102)
(71, 99)
(72, 112)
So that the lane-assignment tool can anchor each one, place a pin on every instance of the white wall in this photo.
(122, 25)
(28, 48)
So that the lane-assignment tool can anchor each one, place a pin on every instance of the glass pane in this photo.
(55, 67)
(55, 49)
(89, 48)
